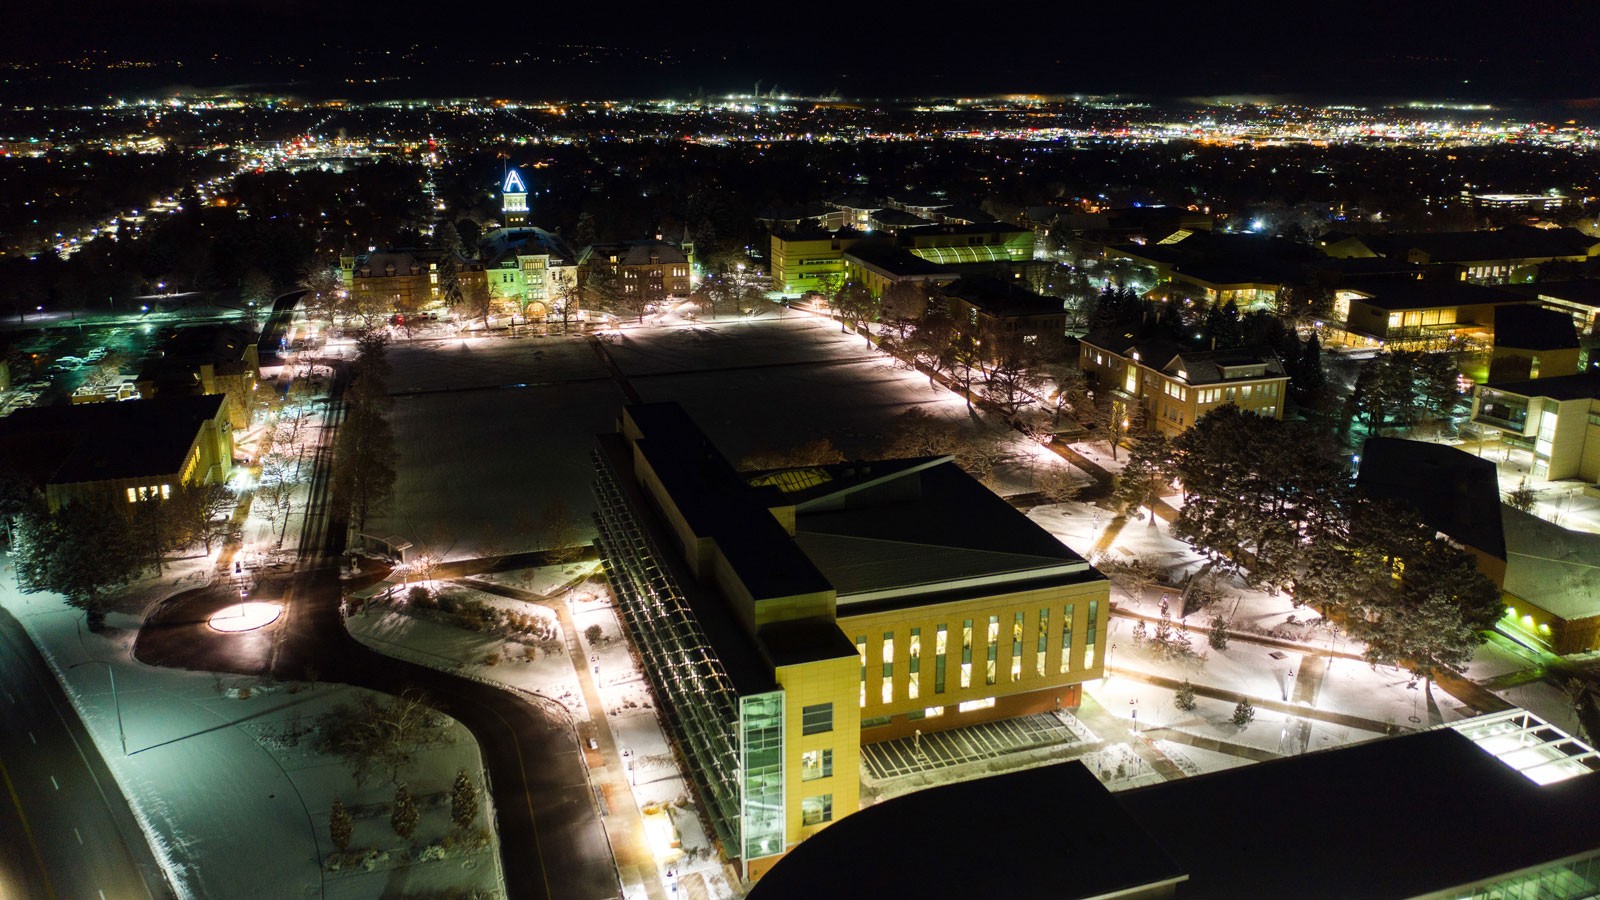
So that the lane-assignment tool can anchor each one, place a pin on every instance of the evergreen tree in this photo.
(340, 826)
(1218, 638)
(1184, 699)
(1309, 378)
(403, 815)
(464, 801)
(1243, 712)
(1222, 328)
(1148, 474)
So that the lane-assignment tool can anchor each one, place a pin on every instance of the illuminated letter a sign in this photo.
(513, 184)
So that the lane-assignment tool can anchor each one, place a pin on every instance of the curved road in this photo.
(552, 844)
(66, 828)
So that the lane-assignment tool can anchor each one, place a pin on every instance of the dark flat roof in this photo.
(718, 504)
(1402, 817)
(1002, 298)
(1585, 292)
(1049, 832)
(896, 261)
(1428, 294)
(1560, 387)
(1514, 242)
(737, 651)
(1456, 493)
(104, 441)
(1534, 328)
(804, 640)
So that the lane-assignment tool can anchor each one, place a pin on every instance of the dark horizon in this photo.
(1471, 51)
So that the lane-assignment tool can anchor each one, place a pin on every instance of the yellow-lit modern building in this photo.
(786, 618)
(805, 259)
(1407, 313)
(1179, 386)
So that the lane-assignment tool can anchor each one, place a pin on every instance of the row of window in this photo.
(149, 492)
(1042, 655)
(1244, 392)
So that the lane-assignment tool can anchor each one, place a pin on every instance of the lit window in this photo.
(973, 705)
(816, 719)
(1089, 637)
(992, 646)
(914, 663)
(888, 667)
(1016, 647)
(816, 810)
(861, 650)
(816, 764)
(966, 653)
(1066, 637)
(939, 642)
(932, 711)
(133, 496)
(1040, 649)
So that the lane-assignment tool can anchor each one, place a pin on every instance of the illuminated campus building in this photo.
(786, 618)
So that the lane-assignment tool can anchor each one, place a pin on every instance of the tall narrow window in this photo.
(1016, 646)
(992, 646)
(861, 650)
(940, 639)
(1089, 636)
(888, 667)
(1066, 637)
(966, 653)
(914, 663)
(1044, 641)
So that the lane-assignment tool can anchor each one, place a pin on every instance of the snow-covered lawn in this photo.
(429, 638)
(222, 774)
(492, 429)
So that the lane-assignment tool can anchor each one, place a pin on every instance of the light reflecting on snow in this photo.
(245, 616)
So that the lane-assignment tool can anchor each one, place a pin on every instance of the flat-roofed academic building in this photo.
(785, 618)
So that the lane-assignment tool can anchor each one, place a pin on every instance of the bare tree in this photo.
(376, 734)
(558, 532)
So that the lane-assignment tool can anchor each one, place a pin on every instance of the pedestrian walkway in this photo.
(943, 749)
(1254, 754)
(1112, 729)
(623, 823)
(1292, 709)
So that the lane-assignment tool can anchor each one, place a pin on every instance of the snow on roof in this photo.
(1552, 566)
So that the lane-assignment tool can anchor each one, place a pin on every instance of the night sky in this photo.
(1474, 49)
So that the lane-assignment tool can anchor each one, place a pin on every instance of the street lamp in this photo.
(112, 674)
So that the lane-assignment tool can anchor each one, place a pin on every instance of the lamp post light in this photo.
(111, 673)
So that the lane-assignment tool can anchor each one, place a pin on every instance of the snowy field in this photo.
(222, 773)
(490, 430)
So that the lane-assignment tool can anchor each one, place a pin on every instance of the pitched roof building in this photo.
(130, 450)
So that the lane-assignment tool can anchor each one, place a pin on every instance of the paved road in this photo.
(552, 843)
(65, 829)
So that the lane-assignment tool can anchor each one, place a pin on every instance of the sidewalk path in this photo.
(624, 825)
(1111, 729)
(1292, 709)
